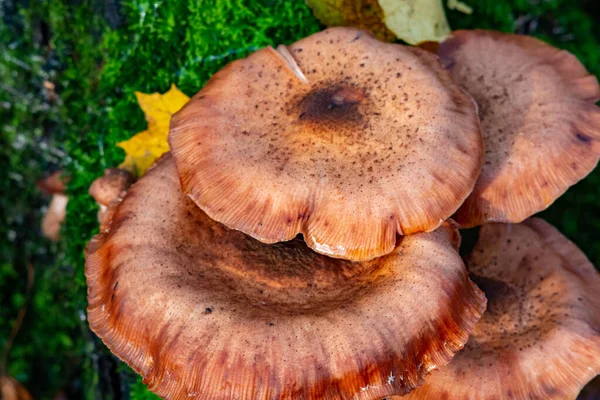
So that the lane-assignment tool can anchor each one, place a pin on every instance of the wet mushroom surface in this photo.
(540, 124)
(340, 137)
(202, 311)
(540, 335)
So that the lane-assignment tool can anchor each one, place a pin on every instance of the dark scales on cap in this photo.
(332, 106)
(339, 137)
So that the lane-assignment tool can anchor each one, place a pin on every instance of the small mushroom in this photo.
(54, 217)
(340, 137)
(203, 311)
(10, 389)
(110, 187)
(539, 121)
(55, 185)
(540, 335)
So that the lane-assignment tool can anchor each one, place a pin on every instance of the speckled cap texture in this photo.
(540, 335)
(340, 137)
(540, 124)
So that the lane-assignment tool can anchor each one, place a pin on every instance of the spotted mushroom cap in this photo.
(202, 311)
(540, 125)
(343, 138)
(540, 335)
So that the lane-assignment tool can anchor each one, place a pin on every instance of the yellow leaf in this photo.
(145, 147)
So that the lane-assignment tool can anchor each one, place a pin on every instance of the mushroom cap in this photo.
(10, 389)
(55, 183)
(540, 335)
(340, 137)
(541, 129)
(110, 186)
(54, 217)
(201, 310)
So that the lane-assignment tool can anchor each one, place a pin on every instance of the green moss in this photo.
(51, 346)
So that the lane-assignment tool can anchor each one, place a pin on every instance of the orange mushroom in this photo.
(203, 311)
(540, 124)
(10, 389)
(340, 137)
(110, 187)
(55, 185)
(540, 335)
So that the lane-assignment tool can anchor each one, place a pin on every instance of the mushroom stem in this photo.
(290, 61)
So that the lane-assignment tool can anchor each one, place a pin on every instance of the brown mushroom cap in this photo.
(540, 335)
(540, 126)
(109, 186)
(340, 137)
(10, 389)
(55, 183)
(203, 311)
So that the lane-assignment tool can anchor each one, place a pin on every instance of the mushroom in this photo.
(540, 335)
(540, 125)
(110, 187)
(10, 389)
(54, 217)
(55, 185)
(203, 311)
(340, 137)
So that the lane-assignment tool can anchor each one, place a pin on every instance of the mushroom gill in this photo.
(203, 311)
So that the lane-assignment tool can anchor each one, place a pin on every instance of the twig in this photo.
(18, 321)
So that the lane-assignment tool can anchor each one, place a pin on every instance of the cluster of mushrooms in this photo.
(300, 240)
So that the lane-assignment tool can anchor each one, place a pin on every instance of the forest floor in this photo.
(68, 73)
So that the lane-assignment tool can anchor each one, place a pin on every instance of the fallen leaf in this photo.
(364, 14)
(146, 147)
(416, 21)
(413, 21)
